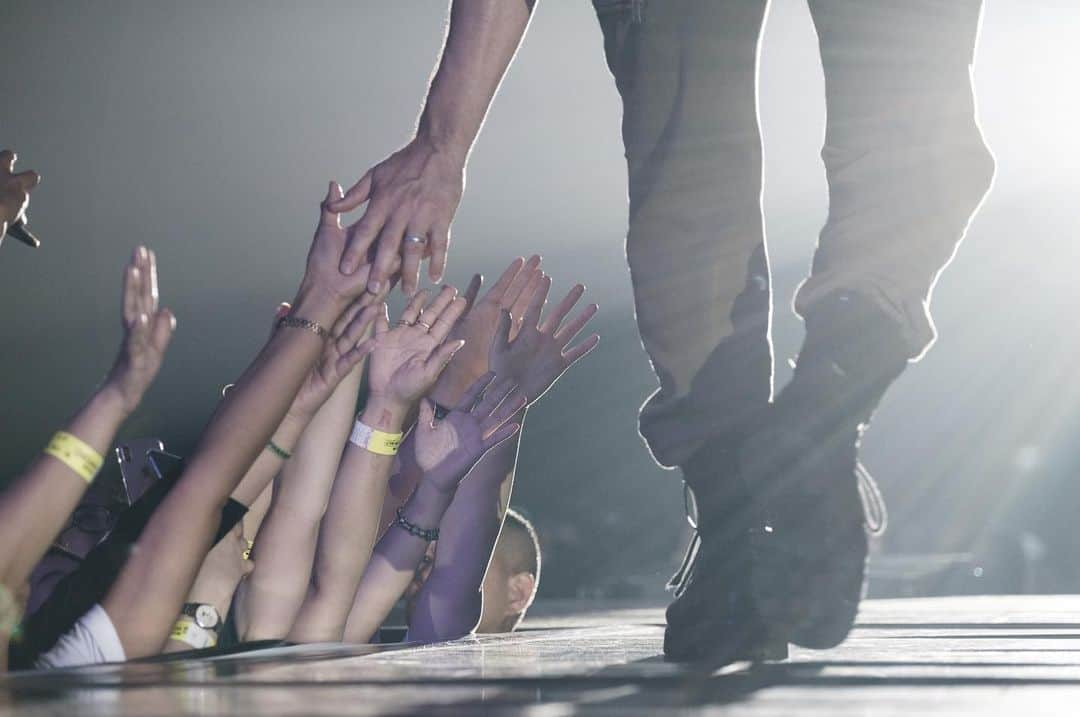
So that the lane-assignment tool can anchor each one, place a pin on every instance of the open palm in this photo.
(538, 355)
(477, 326)
(447, 449)
(147, 331)
(406, 360)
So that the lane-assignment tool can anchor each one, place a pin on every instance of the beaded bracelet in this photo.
(412, 529)
(299, 323)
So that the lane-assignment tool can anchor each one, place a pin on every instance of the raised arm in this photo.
(224, 568)
(511, 292)
(271, 597)
(446, 451)
(38, 503)
(416, 190)
(146, 598)
(404, 364)
(450, 602)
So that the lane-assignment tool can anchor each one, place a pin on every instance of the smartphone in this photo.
(165, 466)
(135, 467)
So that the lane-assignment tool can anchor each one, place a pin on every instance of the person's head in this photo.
(512, 576)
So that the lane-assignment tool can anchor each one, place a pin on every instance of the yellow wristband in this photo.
(185, 630)
(375, 441)
(76, 454)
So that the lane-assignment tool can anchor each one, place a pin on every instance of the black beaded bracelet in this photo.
(424, 534)
(297, 322)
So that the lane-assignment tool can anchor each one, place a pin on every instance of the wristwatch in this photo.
(205, 616)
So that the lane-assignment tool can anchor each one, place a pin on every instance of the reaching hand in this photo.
(447, 449)
(342, 353)
(407, 359)
(147, 331)
(326, 252)
(413, 192)
(14, 190)
(512, 292)
(537, 356)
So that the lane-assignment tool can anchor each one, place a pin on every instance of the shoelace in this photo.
(874, 511)
(681, 579)
(877, 516)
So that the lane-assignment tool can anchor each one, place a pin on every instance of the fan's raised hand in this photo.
(147, 332)
(407, 359)
(479, 322)
(322, 276)
(447, 448)
(538, 355)
(346, 348)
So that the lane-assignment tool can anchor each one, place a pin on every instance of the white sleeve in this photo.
(91, 640)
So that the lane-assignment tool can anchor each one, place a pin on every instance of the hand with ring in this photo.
(407, 359)
(411, 199)
(513, 292)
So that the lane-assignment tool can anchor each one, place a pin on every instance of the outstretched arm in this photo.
(446, 451)
(147, 596)
(223, 569)
(450, 602)
(37, 505)
(404, 364)
(416, 190)
(272, 595)
(511, 292)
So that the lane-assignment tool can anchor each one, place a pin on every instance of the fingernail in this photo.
(374, 287)
(347, 267)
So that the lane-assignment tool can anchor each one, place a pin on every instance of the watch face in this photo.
(206, 617)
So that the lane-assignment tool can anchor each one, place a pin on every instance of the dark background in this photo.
(208, 131)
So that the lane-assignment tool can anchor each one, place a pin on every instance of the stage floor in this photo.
(947, 656)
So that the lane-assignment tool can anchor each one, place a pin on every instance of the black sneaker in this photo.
(712, 620)
(809, 550)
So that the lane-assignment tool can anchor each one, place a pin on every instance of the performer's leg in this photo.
(907, 167)
(686, 71)
(905, 159)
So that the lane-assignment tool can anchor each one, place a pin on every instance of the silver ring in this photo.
(414, 239)
(403, 322)
(427, 327)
